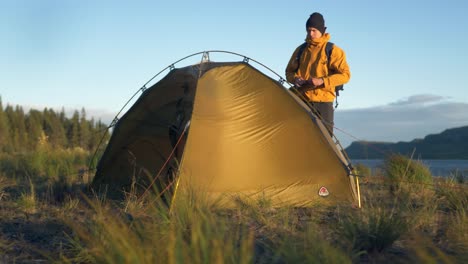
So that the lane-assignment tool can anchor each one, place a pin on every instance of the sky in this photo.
(408, 59)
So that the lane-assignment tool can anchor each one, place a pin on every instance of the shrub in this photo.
(362, 170)
(406, 174)
(460, 176)
(454, 196)
(372, 229)
(457, 233)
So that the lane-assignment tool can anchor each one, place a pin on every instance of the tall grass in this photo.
(4, 184)
(188, 235)
(286, 238)
(391, 216)
(194, 232)
(373, 229)
(5, 246)
(45, 163)
(410, 182)
(457, 234)
(454, 195)
(405, 174)
(28, 200)
(454, 204)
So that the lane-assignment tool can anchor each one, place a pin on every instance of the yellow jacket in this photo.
(313, 63)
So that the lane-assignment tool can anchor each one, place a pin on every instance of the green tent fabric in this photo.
(235, 134)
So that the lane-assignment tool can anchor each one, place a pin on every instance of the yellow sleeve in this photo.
(339, 72)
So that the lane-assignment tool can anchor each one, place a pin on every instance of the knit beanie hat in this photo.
(316, 21)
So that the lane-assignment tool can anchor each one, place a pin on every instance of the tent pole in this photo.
(358, 192)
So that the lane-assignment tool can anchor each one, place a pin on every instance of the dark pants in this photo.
(326, 114)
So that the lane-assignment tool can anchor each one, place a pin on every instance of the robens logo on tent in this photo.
(323, 192)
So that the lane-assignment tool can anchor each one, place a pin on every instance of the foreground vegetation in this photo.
(406, 217)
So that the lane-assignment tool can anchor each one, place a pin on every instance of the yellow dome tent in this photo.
(229, 131)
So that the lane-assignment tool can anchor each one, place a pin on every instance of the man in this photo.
(313, 75)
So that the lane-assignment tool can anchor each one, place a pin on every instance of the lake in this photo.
(442, 168)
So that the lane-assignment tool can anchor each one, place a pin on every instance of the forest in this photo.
(48, 143)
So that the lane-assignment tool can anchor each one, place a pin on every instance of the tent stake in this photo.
(174, 195)
(358, 192)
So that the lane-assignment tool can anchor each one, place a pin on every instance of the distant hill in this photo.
(450, 144)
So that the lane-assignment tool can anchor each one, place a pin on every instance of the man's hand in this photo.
(298, 82)
(307, 85)
(316, 82)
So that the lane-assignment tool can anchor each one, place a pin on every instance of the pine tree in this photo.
(17, 128)
(100, 135)
(62, 116)
(4, 130)
(92, 135)
(54, 129)
(84, 130)
(34, 121)
(73, 130)
(13, 131)
(20, 124)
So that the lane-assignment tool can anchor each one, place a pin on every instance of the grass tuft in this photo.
(406, 177)
(28, 201)
(373, 229)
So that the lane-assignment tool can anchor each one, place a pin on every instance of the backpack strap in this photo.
(299, 54)
(328, 51)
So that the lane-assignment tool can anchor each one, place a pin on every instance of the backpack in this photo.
(328, 51)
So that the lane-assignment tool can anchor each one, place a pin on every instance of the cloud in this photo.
(419, 99)
(404, 120)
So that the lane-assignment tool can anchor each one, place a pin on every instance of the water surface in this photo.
(443, 168)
